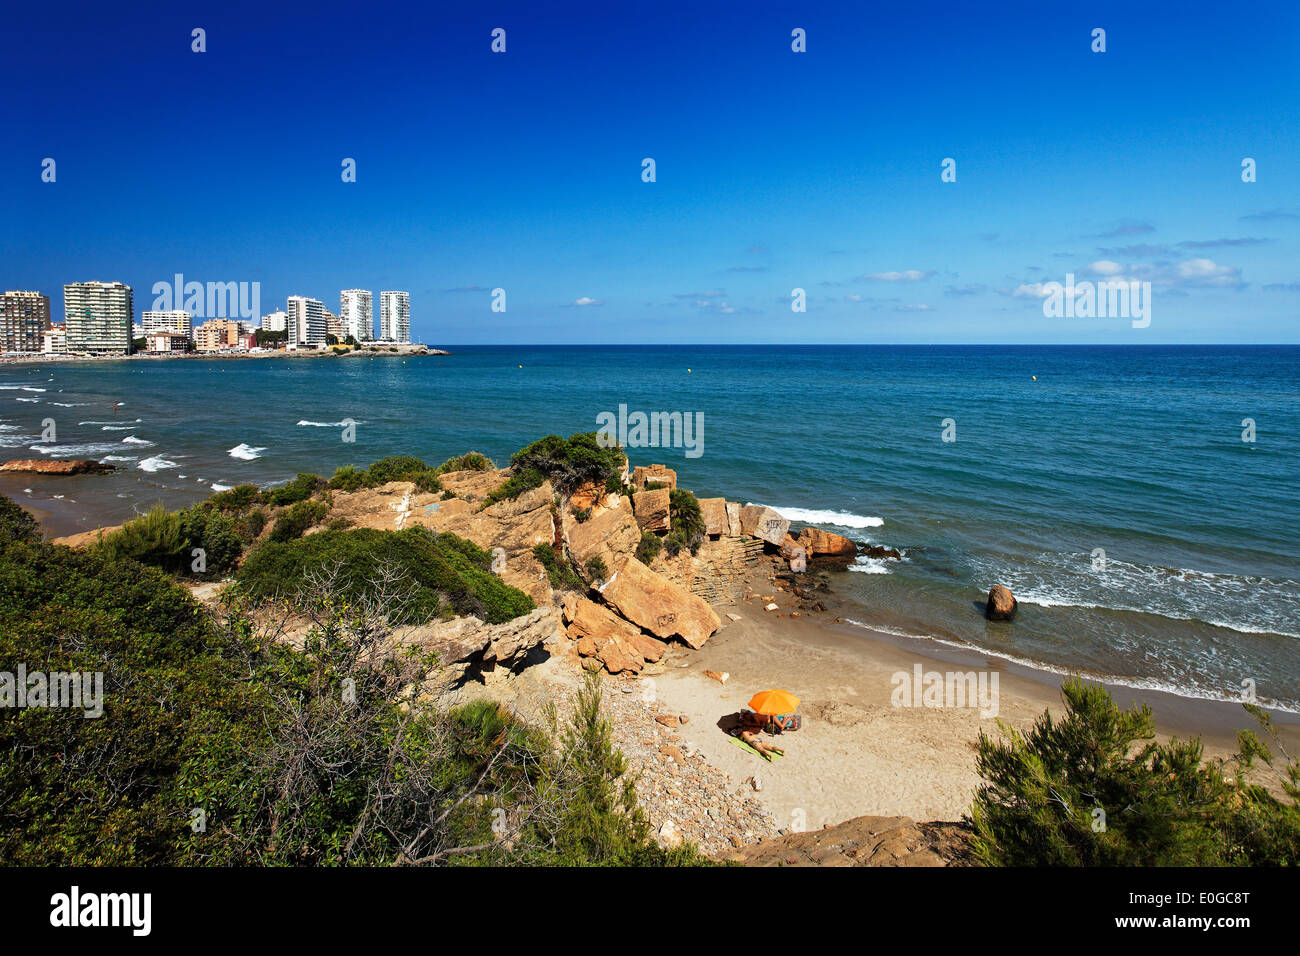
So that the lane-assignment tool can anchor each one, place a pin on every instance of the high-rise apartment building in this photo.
(306, 322)
(357, 310)
(176, 320)
(276, 321)
(97, 316)
(24, 317)
(395, 316)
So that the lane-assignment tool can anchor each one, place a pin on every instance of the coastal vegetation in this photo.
(221, 744)
(568, 463)
(1094, 788)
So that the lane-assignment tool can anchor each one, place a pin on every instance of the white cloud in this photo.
(587, 300)
(1104, 267)
(910, 275)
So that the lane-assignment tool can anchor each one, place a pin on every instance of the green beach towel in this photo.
(757, 753)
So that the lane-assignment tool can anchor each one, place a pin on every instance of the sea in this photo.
(1140, 502)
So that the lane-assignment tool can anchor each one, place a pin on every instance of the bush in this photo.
(596, 569)
(216, 533)
(470, 461)
(1159, 805)
(16, 523)
(437, 566)
(572, 462)
(581, 514)
(348, 478)
(687, 521)
(558, 568)
(155, 539)
(300, 489)
(649, 547)
(514, 486)
(297, 519)
(234, 499)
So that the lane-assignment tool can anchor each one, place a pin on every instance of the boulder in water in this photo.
(1001, 605)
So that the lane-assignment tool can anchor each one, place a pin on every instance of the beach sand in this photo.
(858, 754)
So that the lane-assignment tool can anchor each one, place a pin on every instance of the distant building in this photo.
(356, 309)
(395, 316)
(24, 318)
(166, 340)
(97, 316)
(276, 321)
(217, 335)
(176, 320)
(305, 322)
(54, 341)
(333, 326)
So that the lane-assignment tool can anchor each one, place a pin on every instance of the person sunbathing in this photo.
(780, 723)
(752, 738)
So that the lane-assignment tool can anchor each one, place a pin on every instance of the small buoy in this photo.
(1034, 377)
(521, 366)
(688, 370)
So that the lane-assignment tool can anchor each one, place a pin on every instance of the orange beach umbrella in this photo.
(773, 702)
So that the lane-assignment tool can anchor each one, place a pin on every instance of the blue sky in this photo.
(775, 169)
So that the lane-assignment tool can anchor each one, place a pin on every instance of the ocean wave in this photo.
(842, 519)
(156, 463)
(132, 440)
(72, 404)
(246, 452)
(218, 486)
(87, 450)
(866, 565)
(117, 428)
(1138, 683)
(120, 457)
(310, 424)
(20, 388)
(115, 421)
(33, 400)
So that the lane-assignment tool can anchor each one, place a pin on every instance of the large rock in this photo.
(602, 634)
(826, 544)
(661, 607)
(611, 536)
(653, 510)
(763, 523)
(863, 841)
(1001, 605)
(733, 519)
(795, 553)
(474, 486)
(466, 642)
(657, 474)
(714, 512)
(43, 466)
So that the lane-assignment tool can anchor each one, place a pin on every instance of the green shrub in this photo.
(252, 524)
(558, 569)
(514, 486)
(581, 514)
(300, 489)
(687, 521)
(470, 461)
(596, 569)
(155, 538)
(16, 523)
(297, 519)
(1095, 789)
(206, 527)
(572, 462)
(437, 566)
(348, 478)
(234, 499)
(649, 548)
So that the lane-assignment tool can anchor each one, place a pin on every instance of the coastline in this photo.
(385, 351)
(857, 753)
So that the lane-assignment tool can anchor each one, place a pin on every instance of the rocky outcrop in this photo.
(863, 841)
(466, 644)
(612, 535)
(827, 544)
(733, 519)
(878, 551)
(764, 523)
(42, 466)
(653, 510)
(659, 606)
(1001, 605)
(657, 474)
(603, 635)
(714, 513)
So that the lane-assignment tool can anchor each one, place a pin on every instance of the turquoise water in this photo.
(1135, 451)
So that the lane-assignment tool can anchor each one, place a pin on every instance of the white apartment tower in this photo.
(175, 320)
(277, 321)
(305, 322)
(395, 316)
(98, 316)
(356, 309)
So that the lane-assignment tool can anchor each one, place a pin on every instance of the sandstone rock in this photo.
(714, 512)
(601, 633)
(653, 509)
(659, 474)
(818, 543)
(877, 551)
(474, 486)
(611, 536)
(466, 642)
(733, 519)
(1001, 605)
(798, 560)
(654, 603)
(763, 523)
(587, 496)
(42, 466)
